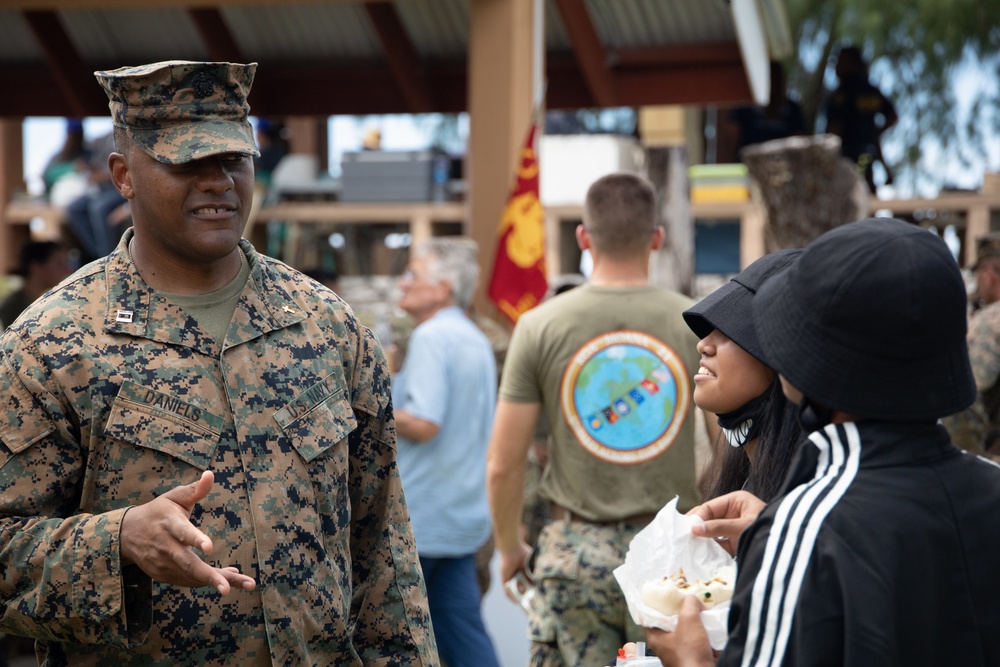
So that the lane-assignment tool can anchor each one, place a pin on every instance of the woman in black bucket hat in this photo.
(881, 549)
(737, 383)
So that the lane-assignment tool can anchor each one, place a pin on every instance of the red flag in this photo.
(518, 282)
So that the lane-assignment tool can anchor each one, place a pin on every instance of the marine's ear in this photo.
(121, 175)
(659, 233)
(582, 237)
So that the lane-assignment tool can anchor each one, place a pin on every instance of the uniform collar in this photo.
(134, 309)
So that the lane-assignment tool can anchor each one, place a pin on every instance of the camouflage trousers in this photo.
(579, 616)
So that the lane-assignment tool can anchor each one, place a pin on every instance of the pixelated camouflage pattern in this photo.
(178, 111)
(580, 616)
(987, 245)
(292, 413)
(967, 429)
(984, 357)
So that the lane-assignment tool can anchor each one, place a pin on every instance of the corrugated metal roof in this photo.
(289, 32)
(439, 30)
(316, 35)
(104, 35)
(16, 42)
(644, 23)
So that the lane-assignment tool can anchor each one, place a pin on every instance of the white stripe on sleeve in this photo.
(792, 536)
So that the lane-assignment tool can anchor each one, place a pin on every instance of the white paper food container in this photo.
(657, 551)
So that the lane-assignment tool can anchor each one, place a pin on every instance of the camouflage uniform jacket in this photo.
(984, 355)
(112, 396)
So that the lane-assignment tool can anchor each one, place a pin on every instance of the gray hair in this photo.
(453, 259)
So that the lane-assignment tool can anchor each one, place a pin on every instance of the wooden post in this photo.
(672, 267)
(304, 136)
(663, 131)
(11, 182)
(500, 78)
(977, 223)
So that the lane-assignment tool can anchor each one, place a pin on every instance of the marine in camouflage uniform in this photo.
(115, 396)
(984, 355)
(570, 358)
(977, 429)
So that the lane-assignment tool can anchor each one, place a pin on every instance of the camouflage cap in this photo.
(987, 245)
(178, 111)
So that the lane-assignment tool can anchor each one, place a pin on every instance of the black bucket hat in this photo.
(870, 320)
(728, 308)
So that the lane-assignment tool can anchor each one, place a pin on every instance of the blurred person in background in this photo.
(443, 397)
(100, 216)
(977, 428)
(70, 160)
(610, 365)
(859, 113)
(42, 265)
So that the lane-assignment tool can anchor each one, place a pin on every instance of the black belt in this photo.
(560, 513)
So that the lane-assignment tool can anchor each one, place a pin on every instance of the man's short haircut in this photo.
(620, 213)
(453, 259)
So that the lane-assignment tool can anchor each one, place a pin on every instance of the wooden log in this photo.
(804, 187)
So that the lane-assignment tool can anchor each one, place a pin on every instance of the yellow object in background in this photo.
(706, 194)
(715, 183)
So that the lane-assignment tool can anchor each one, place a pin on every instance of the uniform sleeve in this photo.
(63, 579)
(390, 617)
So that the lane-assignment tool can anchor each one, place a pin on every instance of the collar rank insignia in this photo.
(124, 316)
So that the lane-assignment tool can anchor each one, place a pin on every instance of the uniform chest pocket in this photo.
(153, 420)
(317, 419)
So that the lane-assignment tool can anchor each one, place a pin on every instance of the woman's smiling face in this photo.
(729, 377)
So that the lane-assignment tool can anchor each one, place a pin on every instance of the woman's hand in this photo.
(726, 517)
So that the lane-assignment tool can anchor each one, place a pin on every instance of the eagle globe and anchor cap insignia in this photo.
(625, 395)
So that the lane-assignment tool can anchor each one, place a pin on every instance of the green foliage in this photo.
(916, 49)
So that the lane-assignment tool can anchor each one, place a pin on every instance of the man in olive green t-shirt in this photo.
(610, 363)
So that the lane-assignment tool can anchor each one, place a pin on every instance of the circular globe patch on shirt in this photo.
(625, 396)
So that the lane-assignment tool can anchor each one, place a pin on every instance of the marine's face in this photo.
(729, 377)
(988, 281)
(191, 212)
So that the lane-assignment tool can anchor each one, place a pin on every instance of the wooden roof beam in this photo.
(684, 74)
(74, 80)
(215, 35)
(684, 83)
(52, 5)
(302, 89)
(589, 52)
(679, 55)
(401, 56)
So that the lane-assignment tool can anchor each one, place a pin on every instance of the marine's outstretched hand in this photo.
(159, 537)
